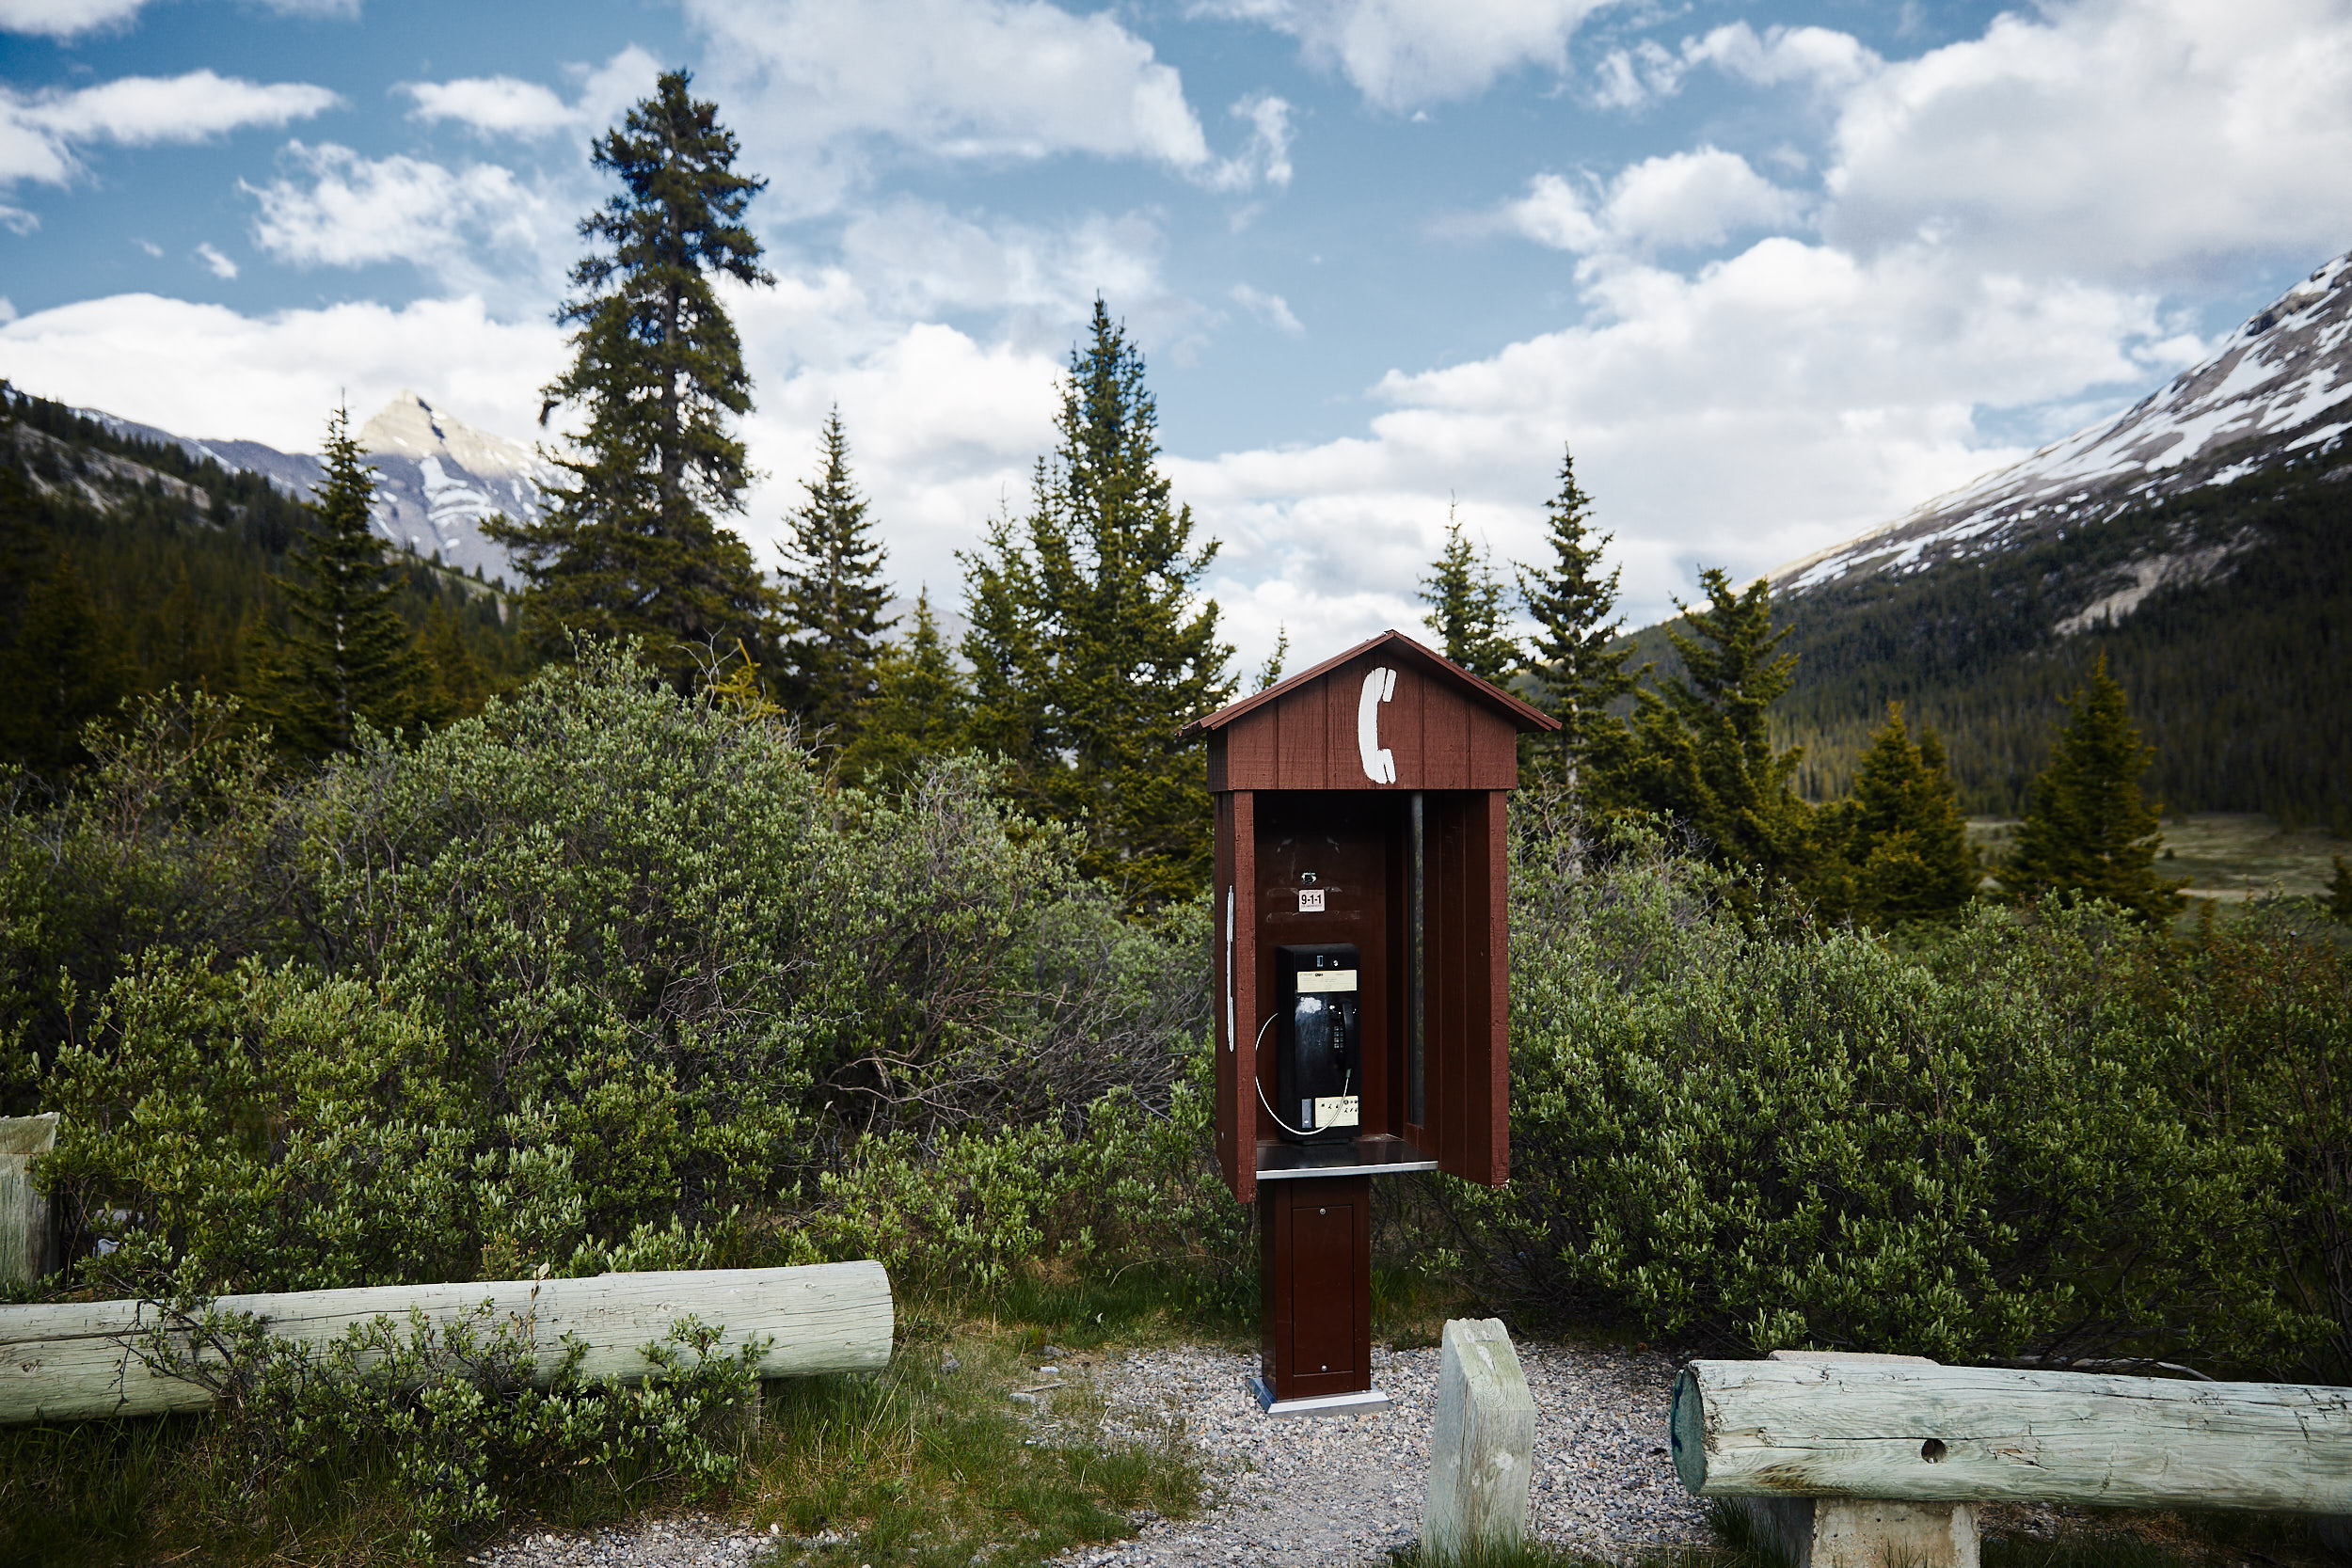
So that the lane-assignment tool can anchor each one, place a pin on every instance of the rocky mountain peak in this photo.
(2277, 391)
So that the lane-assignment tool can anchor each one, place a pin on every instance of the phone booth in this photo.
(1363, 984)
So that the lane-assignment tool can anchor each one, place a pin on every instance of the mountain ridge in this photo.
(2276, 392)
(438, 477)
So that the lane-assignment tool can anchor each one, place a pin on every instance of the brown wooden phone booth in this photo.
(1360, 811)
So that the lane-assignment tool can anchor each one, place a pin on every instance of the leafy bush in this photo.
(1769, 1135)
(603, 977)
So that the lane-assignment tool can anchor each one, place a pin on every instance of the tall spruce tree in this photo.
(1903, 837)
(345, 655)
(629, 548)
(1576, 670)
(1702, 751)
(833, 595)
(2086, 831)
(1467, 608)
(1089, 645)
(920, 710)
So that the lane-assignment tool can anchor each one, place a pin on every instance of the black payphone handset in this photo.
(1318, 1042)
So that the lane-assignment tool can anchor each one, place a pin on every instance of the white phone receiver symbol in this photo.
(1379, 762)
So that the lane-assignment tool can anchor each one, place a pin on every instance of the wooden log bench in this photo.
(76, 1361)
(1873, 1461)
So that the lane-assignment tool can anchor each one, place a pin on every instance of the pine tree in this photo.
(1901, 835)
(1088, 645)
(1466, 610)
(1270, 672)
(2087, 833)
(920, 707)
(64, 669)
(2339, 899)
(629, 548)
(1701, 748)
(1576, 671)
(833, 595)
(345, 655)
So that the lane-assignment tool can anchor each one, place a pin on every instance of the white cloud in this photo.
(504, 104)
(1771, 403)
(808, 83)
(1817, 56)
(916, 259)
(65, 18)
(41, 130)
(1828, 61)
(2148, 139)
(1403, 53)
(208, 370)
(1267, 155)
(508, 105)
(1699, 197)
(220, 266)
(1273, 309)
(347, 211)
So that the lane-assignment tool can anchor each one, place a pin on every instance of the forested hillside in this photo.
(2235, 665)
(127, 565)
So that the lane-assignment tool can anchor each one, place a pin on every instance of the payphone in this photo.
(1318, 1051)
(1362, 855)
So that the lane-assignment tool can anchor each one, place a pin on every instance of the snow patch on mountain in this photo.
(2280, 385)
(436, 478)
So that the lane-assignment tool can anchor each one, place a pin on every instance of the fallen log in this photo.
(1916, 1432)
(75, 1361)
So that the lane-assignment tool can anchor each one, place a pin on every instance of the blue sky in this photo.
(1776, 272)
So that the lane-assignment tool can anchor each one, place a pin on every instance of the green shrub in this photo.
(1768, 1135)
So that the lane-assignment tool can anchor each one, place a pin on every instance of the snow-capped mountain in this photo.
(2279, 392)
(436, 478)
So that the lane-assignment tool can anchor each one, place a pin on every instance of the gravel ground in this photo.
(1339, 1491)
(1335, 1492)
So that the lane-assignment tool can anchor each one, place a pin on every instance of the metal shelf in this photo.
(1374, 1156)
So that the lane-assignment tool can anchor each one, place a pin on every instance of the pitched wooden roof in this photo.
(1525, 716)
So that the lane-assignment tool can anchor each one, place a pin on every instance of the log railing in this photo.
(1852, 1459)
(78, 1360)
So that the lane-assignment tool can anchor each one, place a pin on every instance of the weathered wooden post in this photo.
(1363, 976)
(1482, 1448)
(28, 1226)
(1873, 1443)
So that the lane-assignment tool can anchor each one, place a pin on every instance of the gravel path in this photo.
(1337, 1492)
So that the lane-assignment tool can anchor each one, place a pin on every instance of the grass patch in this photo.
(960, 1450)
(963, 1449)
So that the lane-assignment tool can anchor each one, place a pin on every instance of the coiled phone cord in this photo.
(1346, 1079)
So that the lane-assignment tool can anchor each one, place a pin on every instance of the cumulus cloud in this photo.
(502, 105)
(347, 210)
(1771, 403)
(218, 265)
(1633, 76)
(65, 18)
(814, 86)
(915, 259)
(40, 132)
(2163, 140)
(209, 370)
(509, 106)
(1699, 197)
(1402, 53)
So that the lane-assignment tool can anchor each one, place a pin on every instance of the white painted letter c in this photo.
(1379, 762)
